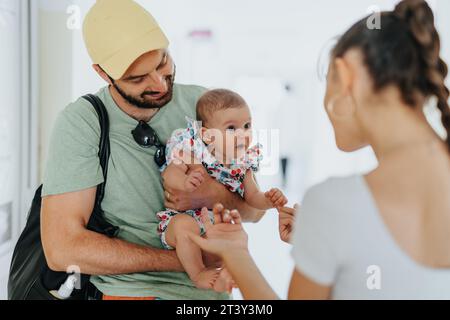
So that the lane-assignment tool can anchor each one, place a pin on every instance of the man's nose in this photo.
(158, 82)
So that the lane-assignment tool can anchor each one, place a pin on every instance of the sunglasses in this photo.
(146, 137)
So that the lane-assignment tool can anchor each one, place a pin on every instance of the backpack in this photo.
(30, 278)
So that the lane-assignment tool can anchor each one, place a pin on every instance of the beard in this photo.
(140, 101)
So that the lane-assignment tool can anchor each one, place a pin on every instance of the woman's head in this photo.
(400, 59)
(226, 122)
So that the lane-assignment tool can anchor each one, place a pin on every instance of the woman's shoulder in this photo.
(336, 194)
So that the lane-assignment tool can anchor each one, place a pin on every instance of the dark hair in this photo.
(405, 52)
(215, 100)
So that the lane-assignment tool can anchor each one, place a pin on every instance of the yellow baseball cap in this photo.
(117, 32)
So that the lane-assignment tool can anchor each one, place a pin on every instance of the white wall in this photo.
(56, 61)
(13, 119)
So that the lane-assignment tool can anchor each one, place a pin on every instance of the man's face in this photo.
(148, 83)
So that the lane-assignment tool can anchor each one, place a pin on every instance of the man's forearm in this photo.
(248, 213)
(232, 200)
(96, 254)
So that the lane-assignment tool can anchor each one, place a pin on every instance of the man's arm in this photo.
(207, 195)
(67, 242)
(220, 194)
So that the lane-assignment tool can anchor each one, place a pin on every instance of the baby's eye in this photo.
(248, 126)
(231, 128)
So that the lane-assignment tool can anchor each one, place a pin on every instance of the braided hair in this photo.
(405, 52)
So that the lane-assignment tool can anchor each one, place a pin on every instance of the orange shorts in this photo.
(111, 298)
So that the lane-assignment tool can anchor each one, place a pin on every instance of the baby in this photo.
(220, 142)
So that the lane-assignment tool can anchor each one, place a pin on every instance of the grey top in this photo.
(340, 240)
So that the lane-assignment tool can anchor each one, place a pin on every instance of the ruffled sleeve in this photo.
(254, 157)
(184, 140)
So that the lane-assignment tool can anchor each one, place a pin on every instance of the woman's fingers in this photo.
(287, 210)
(206, 219)
(222, 215)
(217, 211)
(226, 216)
(236, 216)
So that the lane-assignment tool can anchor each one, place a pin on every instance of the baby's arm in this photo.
(260, 200)
(176, 176)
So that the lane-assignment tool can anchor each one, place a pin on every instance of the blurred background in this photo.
(268, 51)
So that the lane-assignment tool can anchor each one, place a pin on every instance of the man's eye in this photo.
(137, 81)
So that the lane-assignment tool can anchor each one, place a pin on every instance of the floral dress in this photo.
(189, 140)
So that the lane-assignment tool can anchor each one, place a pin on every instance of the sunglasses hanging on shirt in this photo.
(146, 137)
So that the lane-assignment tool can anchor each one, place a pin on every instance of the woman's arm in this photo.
(302, 288)
(254, 286)
(228, 240)
(248, 277)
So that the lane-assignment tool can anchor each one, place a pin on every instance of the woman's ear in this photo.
(344, 74)
(341, 106)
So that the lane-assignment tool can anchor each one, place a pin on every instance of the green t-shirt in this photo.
(134, 192)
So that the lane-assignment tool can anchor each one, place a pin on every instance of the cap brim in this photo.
(118, 64)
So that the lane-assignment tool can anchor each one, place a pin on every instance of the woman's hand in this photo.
(227, 234)
(286, 222)
(228, 240)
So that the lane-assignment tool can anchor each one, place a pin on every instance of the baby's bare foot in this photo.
(224, 282)
(206, 278)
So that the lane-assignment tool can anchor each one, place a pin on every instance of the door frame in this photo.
(28, 140)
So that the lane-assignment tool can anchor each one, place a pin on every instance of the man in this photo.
(129, 51)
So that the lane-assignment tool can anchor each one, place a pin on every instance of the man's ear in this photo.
(102, 73)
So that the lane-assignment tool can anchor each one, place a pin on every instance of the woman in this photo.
(385, 235)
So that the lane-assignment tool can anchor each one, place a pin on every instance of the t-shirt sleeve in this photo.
(313, 249)
(73, 163)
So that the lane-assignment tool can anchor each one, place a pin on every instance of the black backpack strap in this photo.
(97, 222)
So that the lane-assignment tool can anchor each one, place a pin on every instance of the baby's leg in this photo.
(225, 282)
(188, 252)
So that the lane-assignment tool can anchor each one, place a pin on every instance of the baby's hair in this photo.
(215, 100)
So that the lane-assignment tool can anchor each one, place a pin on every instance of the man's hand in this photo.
(207, 195)
(198, 198)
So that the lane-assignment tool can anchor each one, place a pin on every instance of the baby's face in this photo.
(231, 132)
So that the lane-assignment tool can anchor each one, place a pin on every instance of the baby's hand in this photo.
(276, 197)
(193, 180)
